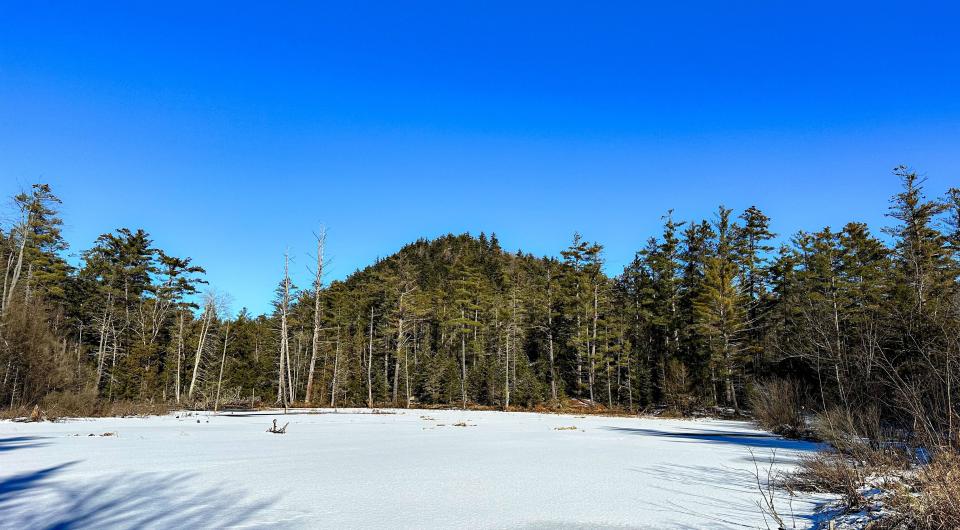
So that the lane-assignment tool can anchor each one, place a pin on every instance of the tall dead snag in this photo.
(402, 337)
(317, 285)
(105, 322)
(223, 360)
(179, 357)
(209, 312)
(592, 352)
(24, 235)
(553, 370)
(370, 364)
(463, 362)
(506, 374)
(285, 391)
(6, 276)
(336, 368)
(510, 342)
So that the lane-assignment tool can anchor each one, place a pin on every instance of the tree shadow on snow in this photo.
(717, 494)
(746, 439)
(726, 496)
(40, 499)
(10, 487)
(13, 443)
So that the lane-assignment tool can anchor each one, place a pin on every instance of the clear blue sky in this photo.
(230, 131)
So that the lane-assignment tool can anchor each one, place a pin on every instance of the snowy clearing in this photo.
(403, 469)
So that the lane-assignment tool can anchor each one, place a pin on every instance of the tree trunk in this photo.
(223, 361)
(506, 375)
(593, 342)
(17, 268)
(179, 358)
(336, 367)
(370, 363)
(102, 347)
(285, 374)
(463, 363)
(553, 371)
(317, 284)
(204, 327)
(6, 278)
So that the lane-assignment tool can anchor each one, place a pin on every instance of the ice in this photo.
(397, 469)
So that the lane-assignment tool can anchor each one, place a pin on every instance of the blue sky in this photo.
(231, 130)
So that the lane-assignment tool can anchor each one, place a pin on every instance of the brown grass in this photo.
(932, 499)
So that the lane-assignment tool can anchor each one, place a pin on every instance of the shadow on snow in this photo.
(13, 443)
(39, 499)
(708, 491)
(746, 439)
(717, 494)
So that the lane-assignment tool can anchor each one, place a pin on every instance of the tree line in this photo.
(707, 311)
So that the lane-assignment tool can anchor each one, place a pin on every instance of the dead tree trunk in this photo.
(285, 375)
(553, 371)
(102, 347)
(336, 367)
(370, 363)
(317, 284)
(223, 361)
(204, 328)
(17, 268)
(400, 345)
(463, 362)
(179, 358)
(506, 375)
(593, 343)
(6, 278)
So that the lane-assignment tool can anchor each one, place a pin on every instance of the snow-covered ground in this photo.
(406, 469)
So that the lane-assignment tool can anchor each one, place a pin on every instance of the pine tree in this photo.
(662, 261)
(721, 309)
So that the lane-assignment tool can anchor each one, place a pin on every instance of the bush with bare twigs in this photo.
(829, 472)
(777, 407)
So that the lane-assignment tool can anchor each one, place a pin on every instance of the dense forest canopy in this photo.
(707, 311)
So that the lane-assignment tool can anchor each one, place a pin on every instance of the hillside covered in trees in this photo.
(707, 314)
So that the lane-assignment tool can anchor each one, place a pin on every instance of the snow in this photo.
(401, 469)
(876, 495)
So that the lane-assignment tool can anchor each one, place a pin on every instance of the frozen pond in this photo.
(404, 469)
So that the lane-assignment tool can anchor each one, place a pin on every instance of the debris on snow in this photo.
(278, 430)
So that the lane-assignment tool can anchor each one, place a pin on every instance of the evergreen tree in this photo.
(720, 310)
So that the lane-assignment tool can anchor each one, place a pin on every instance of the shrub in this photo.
(829, 472)
(58, 405)
(777, 407)
(70, 404)
(676, 388)
(133, 408)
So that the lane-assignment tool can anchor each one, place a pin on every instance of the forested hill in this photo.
(708, 313)
(452, 310)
